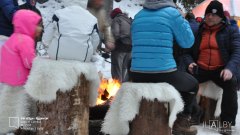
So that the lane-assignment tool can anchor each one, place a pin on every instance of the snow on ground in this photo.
(131, 7)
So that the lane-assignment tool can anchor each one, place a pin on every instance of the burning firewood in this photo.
(107, 90)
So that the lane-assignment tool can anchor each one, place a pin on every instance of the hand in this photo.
(107, 50)
(226, 74)
(190, 67)
(109, 46)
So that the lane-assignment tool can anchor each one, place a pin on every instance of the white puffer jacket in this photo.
(74, 35)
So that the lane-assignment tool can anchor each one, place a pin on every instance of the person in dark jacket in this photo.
(192, 21)
(121, 55)
(154, 29)
(230, 20)
(178, 51)
(7, 10)
(31, 5)
(215, 56)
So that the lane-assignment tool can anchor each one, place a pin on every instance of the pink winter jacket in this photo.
(18, 52)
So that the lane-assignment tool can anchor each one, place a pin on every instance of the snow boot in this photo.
(182, 126)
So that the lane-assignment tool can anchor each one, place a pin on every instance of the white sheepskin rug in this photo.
(48, 76)
(125, 105)
(13, 103)
(211, 90)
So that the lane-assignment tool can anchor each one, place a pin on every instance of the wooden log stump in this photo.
(68, 114)
(152, 119)
(209, 106)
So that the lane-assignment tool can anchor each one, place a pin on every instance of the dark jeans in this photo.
(186, 84)
(229, 105)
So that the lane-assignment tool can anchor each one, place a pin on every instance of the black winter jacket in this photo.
(7, 10)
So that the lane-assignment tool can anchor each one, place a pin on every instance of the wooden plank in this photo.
(209, 106)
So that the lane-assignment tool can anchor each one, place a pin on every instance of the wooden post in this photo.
(209, 106)
(68, 114)
(151, 120)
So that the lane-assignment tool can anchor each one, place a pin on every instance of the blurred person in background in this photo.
(96, 7)
(7, 10)
(121, 55)
(30, 5)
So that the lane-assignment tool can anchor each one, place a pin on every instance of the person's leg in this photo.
(197, 111)
(229, 105)
(186, 85)
(116, 65)
(125, 67)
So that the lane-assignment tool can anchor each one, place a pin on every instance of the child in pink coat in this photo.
(18, 52)
(16, 57)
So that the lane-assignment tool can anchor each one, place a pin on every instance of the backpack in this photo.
(76, 36)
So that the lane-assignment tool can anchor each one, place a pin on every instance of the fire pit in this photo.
(107, 90)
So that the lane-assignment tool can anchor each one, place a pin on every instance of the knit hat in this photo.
(199, 19)
(215, 7)
(115, 12)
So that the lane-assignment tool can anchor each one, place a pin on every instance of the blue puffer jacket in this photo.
(153, 33)
(7, 10)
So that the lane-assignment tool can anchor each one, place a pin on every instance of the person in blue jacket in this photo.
(7, 10)
(154, 29)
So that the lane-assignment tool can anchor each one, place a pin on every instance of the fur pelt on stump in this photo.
(125, 105)
(63, 96)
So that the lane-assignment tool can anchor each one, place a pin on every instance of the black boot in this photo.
(196, 116)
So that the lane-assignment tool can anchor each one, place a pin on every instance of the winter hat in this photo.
(189, 16)
(115, 12)
(215, 7)
(199, 19)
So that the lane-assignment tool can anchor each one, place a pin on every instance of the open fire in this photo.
(107, 90)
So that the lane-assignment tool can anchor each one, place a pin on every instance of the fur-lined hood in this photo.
(158, 4)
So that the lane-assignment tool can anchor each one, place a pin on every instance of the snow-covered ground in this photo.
(131, 7)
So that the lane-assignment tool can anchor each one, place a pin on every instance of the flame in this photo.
(108, 88)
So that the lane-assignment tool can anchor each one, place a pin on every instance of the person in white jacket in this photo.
(73, 34)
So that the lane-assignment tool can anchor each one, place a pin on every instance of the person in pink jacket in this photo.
(18, 52)
(16, 57)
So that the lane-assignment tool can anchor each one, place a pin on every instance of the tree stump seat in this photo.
(68, 114)
(152, 119)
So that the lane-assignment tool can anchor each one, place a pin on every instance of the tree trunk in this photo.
(68, 114)
(151, 120)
